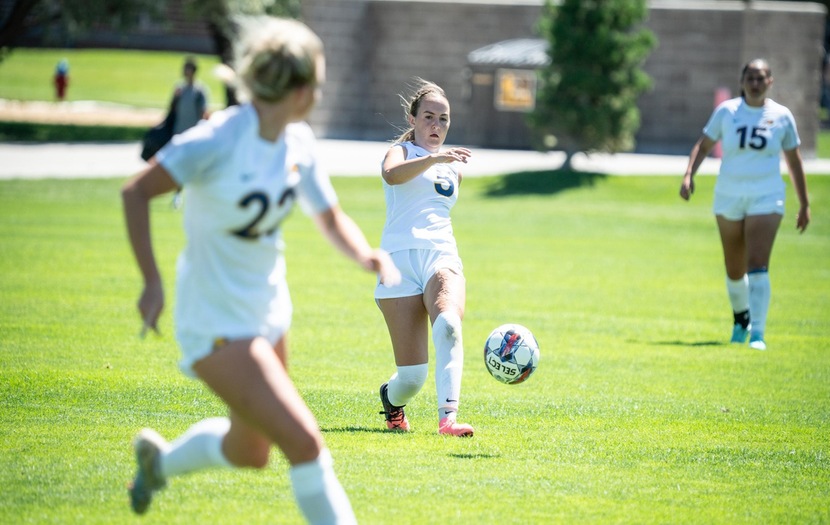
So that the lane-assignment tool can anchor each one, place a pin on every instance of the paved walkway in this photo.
(341, 158)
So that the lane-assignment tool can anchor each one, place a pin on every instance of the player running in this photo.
(242, 172)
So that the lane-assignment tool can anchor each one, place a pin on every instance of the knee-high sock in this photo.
(738, 293)
(319, 494)
(406, 382)
(759, 296)
(198, 448)
(449, 362)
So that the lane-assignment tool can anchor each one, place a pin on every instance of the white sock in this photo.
(198, 448)
(738, 293)
(319, 495)
(759, 295)
(449, 362)
(406, 382)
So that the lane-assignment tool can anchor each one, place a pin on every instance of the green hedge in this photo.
(35, 132)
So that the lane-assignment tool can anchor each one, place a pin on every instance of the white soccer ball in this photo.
(511, 353)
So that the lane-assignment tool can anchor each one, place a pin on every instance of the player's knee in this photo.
(306, 447)
(447, 326)
(411, 378)
(256, 457)
(245, 453)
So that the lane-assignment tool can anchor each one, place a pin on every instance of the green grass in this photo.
(639, 413)
(823, 144)
(134, 78)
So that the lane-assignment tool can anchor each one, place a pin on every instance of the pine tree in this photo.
(588, 93)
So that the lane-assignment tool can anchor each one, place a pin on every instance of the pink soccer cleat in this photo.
(450, 427)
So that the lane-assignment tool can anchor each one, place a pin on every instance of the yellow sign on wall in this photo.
(515, 89)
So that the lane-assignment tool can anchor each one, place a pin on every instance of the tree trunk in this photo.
(566, 164)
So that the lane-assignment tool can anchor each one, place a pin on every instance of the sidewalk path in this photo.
(341, 158)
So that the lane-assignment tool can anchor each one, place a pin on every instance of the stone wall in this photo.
(375, 47)
(704, 45)
(396, 41)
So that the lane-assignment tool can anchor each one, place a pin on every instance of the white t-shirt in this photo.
(418, 211)
(751, 140)
(238, 188)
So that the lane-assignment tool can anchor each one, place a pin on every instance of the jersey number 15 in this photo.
(756, 140)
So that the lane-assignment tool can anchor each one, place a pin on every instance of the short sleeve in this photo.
(713, 129)
(189, 153)
(315, 191)
(791, 139)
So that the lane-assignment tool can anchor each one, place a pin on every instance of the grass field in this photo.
(639, 413)
(134, 78)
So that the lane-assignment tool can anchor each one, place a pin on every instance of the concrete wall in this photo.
(392, 41)
(375, 47)
(704, 45)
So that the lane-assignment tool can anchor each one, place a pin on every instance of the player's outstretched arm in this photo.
(347, 237)
(398, 170)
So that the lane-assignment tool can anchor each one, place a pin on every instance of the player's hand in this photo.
(802, 219)
(150, 305)
(687, 188)
(380, 263)
(453, 155)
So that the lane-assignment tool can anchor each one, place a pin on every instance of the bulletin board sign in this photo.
(515, 90)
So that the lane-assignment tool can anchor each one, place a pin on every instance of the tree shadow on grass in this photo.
(686, 343)
(546, 182)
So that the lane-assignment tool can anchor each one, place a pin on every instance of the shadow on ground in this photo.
(685, 343)
(356, 429)
(547, 182)
(475, 456)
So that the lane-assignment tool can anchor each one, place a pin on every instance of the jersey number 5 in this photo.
(756, 140)
(444, 186)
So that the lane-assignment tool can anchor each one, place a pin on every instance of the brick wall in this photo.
(704, 45)
(396, 41)
(375, 47)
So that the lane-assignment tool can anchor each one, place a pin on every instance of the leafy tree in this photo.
(588, 93)
(221, 17)
(67, 18)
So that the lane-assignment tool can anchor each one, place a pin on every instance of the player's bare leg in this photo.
(249, 376)
(406, 320)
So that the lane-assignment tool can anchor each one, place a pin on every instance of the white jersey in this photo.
(418, 211)
(752, 140)
(238, 188)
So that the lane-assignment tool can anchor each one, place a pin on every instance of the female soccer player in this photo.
(421, 186)
(242, 172)
(749, 192)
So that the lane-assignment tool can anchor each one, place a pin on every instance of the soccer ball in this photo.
(511, 353)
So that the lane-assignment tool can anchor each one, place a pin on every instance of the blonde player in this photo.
(421, 186)
(749, 192)
(242, 172)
